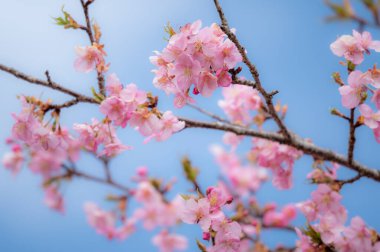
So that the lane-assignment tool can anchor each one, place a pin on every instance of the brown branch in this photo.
(49, 83)
(255, 74)
(241, 81)
(88, 29)
(63, 105)
(300, 144)
(285, 228)
(70, 172)
(352, 139)
(209, 114)
(349, 181)
(85, 6)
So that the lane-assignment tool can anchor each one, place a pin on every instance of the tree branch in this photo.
(255, 74)
(352, 139)
(85, 6)
(203, 111)
(300, 144)
(75, 173)
(49, 83)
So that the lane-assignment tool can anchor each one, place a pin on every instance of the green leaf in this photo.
(190, 172)
(98, 97)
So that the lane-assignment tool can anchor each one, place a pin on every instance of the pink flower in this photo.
(147, 194)
(91, 136)
(227, 229)
(326, 199)
(373, 76)
(195, 56)
(309, 209)
(186, 71)
(225, 160)
(304, 244)
(46, 163)
(113, 149)
(152, 215)
(25, 125)
(280, 219)
(239, 101)
(246, 179)
(224, 78)
(277, 157)
(376, 132)
(54, 199)
(181, 99)
(365, 41)
(133, 96)
(197, 212)
(225, 245)
(167, 242)
(355, 91)
(348, 47)
(146, 122)
(217, 198)
(115, 109)
(232, 139)
(126, 229)
(103, 222)
(207, 83)
(170, 125)
(358, 235)
(229, 53)
(114, 85)
(354, 47)
(371, 119)
(376, 98)
(330, 228)
(89, 57)
(14, 160)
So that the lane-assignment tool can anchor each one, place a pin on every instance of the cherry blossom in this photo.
(355, 91)
(89, 58)
(195, 56)
(169, 242)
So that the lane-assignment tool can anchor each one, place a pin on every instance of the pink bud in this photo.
(206, 236)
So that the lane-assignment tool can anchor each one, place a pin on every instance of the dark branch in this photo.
(49, 83)
(300, 144)
(252, 68)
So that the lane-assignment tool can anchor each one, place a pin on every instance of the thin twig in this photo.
(255, 74)
(63, 105)
(85, 6)
(349, 181)
(50, 84)
(75, 173)
(352, 139)
(203, 111)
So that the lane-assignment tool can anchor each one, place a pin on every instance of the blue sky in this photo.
(287, 40)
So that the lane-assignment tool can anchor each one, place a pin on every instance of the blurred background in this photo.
(287, 40)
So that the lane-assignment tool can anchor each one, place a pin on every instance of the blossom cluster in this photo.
(326, 218)
(239, 101)
(207, 213)
(279, 158)
(353, 47)
(244, 178)
(360, 85)
(129, 104)
(90, 58)
(195, 56)
(97, 134)
(154, 212)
